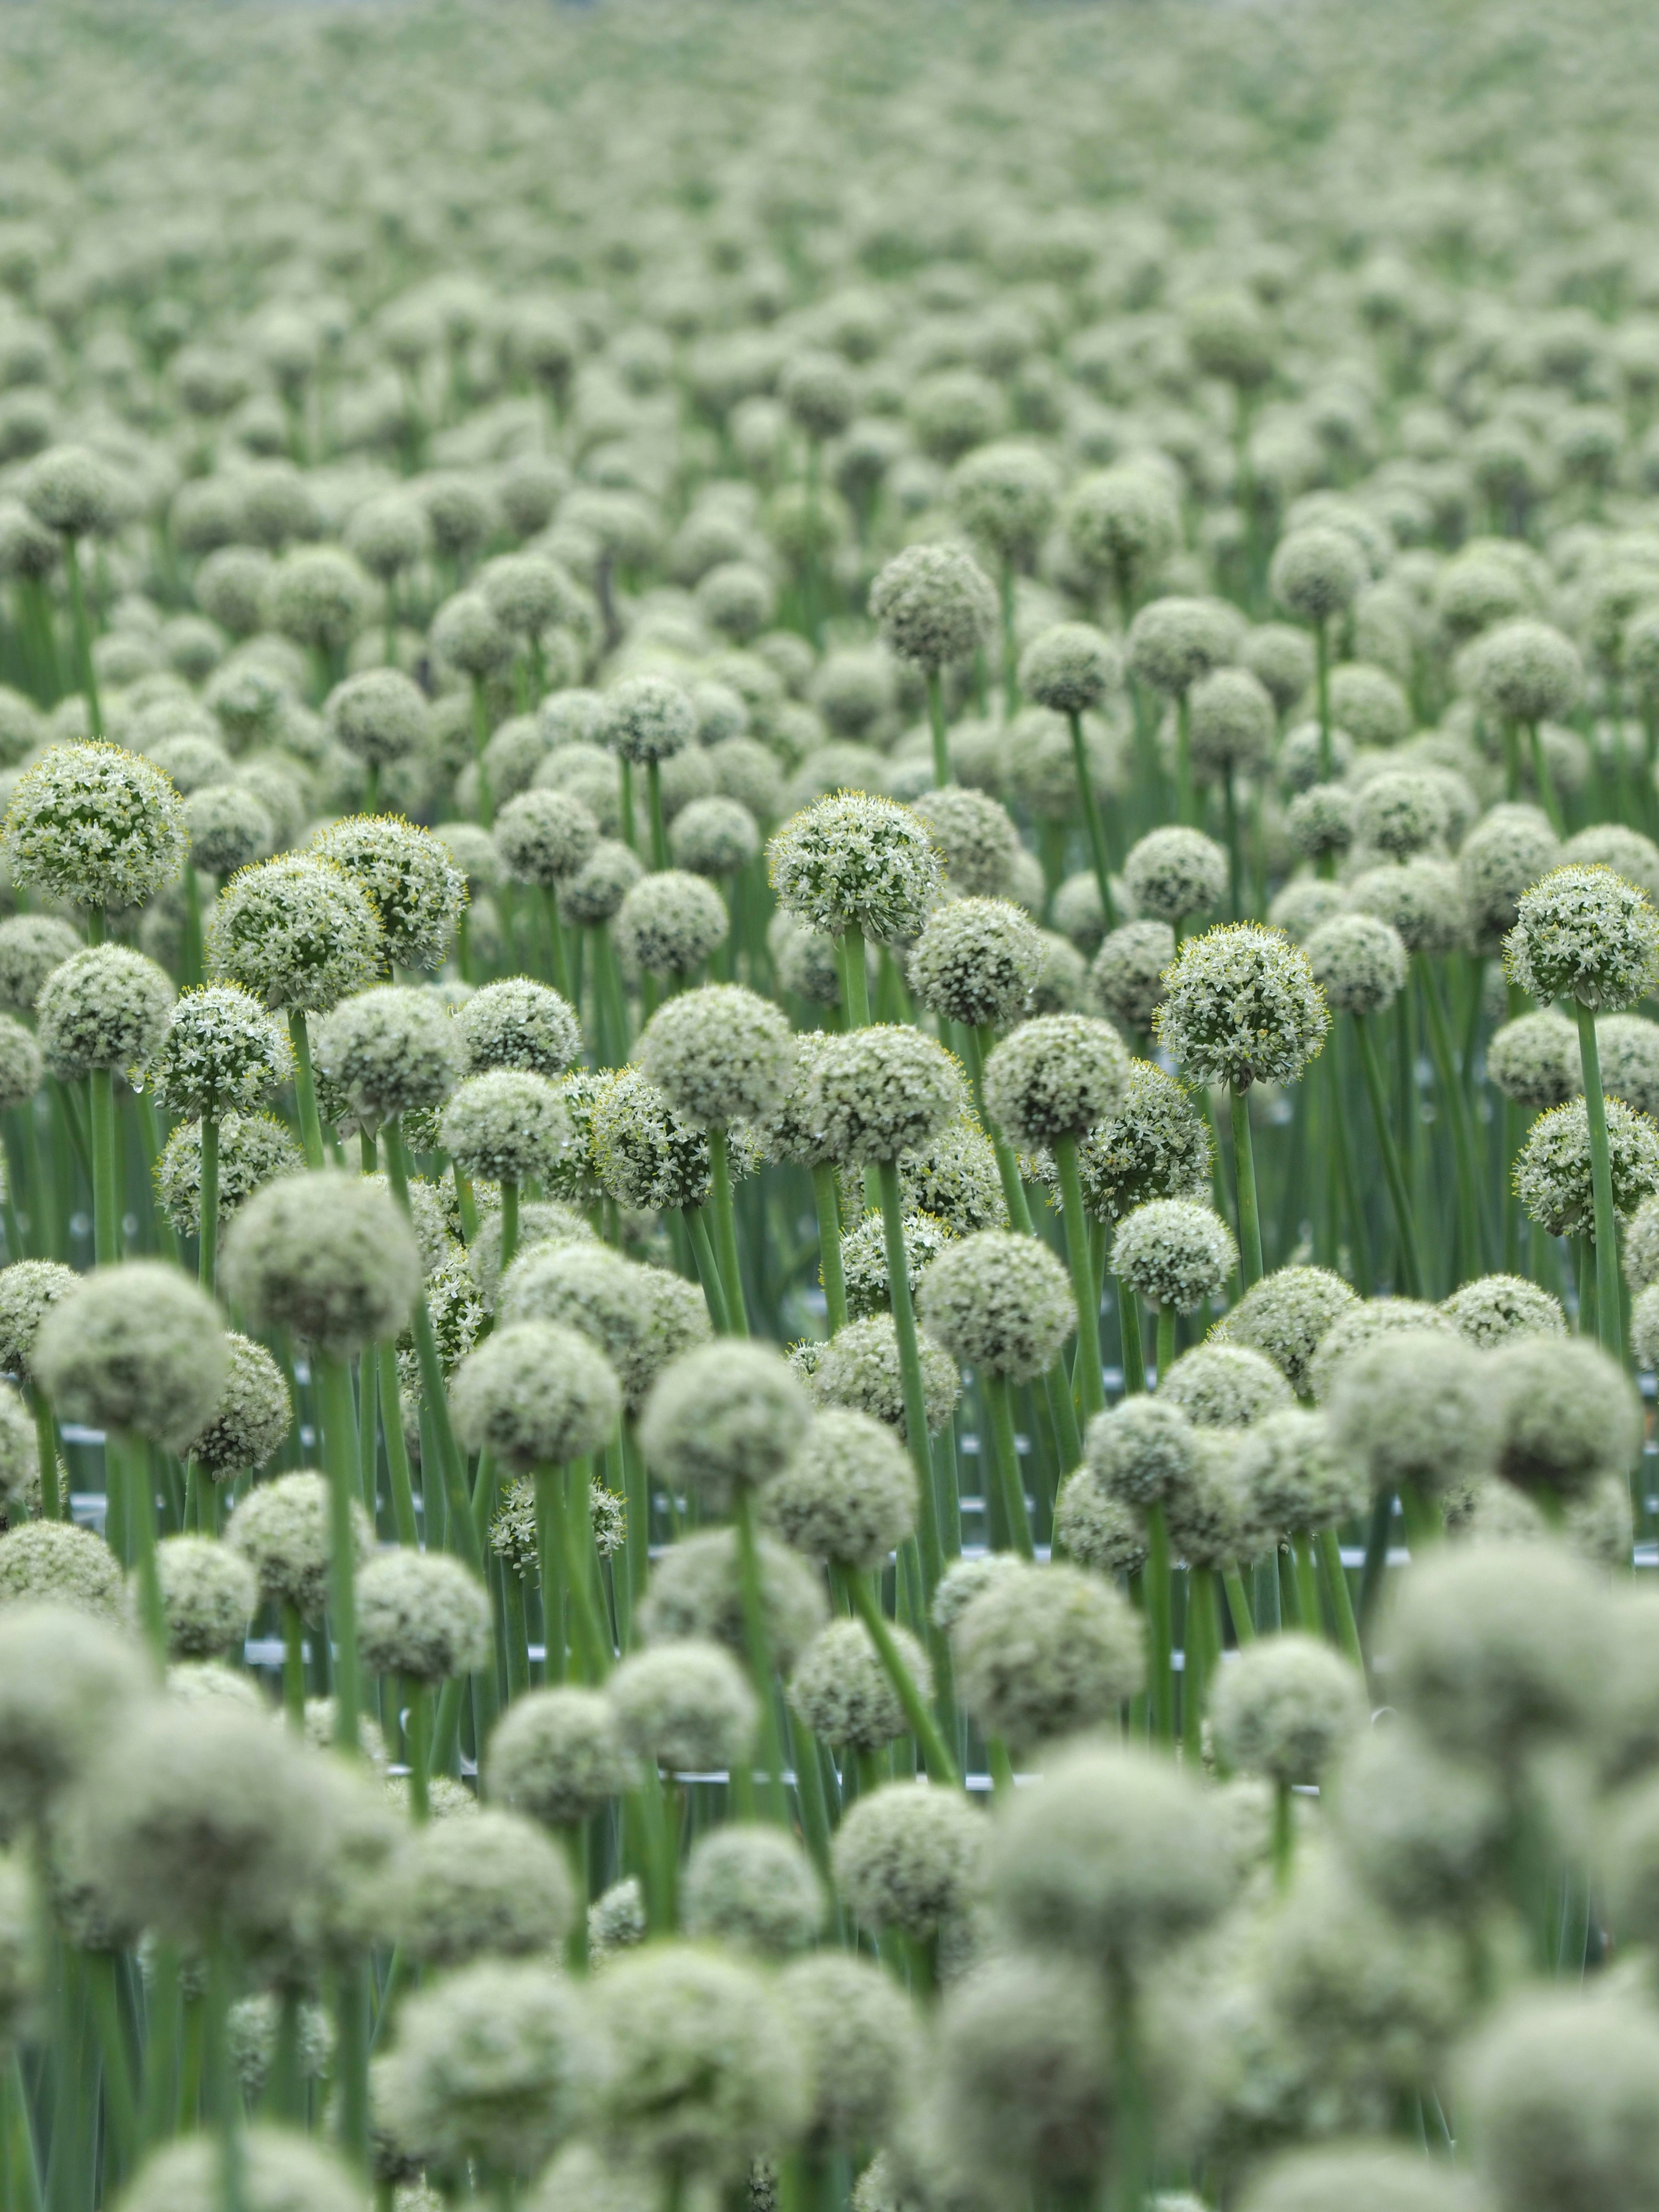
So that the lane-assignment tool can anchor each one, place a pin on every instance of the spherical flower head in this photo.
(1044, 1653)
(1368, 704)
(1418, 1408)
(71, 490)
(1320, 819)
(283, 1530)
(880, 1092)
(998, 1302)
(467, 633)
(1071, 668)
(1641, 1254)
(490, 1883)
(229, 824)
(422, 1614)
(1491, 1309)
(61, 1563)
(1224, 1386)
(1422, 899)
(1400, 811)
(1507, 851)
(136, 1347)
(558, 1756)
(507, 1126)
(863, 1259)
(1126, 975)
(390, 1050)
(1296, 1475)
(537, 1396)
(1055, 1077)
(670, 923)
(1534, 1059)
(220, 1054)
(1584, 933)
(19, 1458)
(1526, 671)
(842, 1692)
(1141, 1450)
(318, 595)
(847, 1495)
(974, 838)
(718, 1054)
(1233, 725)
(95, 826)
(1625, 851)
(1559, 2102)
(643, 1155)
(1283, 657)
(1097, 1529)
(1287, 1708)
(1241, 1006)
(860, 1368)
(1123, 521)
(1316, 572)
(67, 1682)
(1174, 1251)
(1022, 2068)
(1286, 1317)
(1365, 2177)
(727, 1413)
(954, 1180)
(105, 1007)
(856, 861)
(408, 877)
(1171, 874)
(280, 2169)
(1567, 1415)
(296, 933)
(860, 2036)
(596, 892)
(1303, 905)
(1358, 962)
(1552, 1174)
(696, 1592)
(31, 946)
(378, 716)
(1175, 641)
(908, 1858)
(518, 1024)
(648, 719)
(1360, 1325)
(544, 836)
(328, 1256)
(754, 1888)
(715, 836)
(1004, 496)
(209, 1593)
(1115, 1856)
(1628, 1047)
(685, 1705)
(251, 1416)
(254, 1149)
(932, 604)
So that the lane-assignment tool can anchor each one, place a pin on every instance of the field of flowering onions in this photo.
(829, 1079)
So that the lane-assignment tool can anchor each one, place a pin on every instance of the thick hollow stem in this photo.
(708, 1273)
(105, 1168)
(127, 1461)
(1005, 1462)
(854, 978)
(1158, 1587)
(1393, 1172)
(1166, 1342)
(1085, 1289)
(916, 1402)
(1249, 1218)
(1456, 1099)
(1608, 1321)
(294, 1669)
(509, 1222)
(827, 1203)
(1322, 692)
(561, 975)
(1134, 1357)
(305, 1088)
(1336, 1587)
(54, 1503)
(758, 1645)
(340, 1457)
(207, 1243)
(396, 1448)
(726, 1232)
(943, 772)
(463, 1535)
(1238, 1606)
(82, 626)
(1092, 822)
(658, 828)
(941, 1766)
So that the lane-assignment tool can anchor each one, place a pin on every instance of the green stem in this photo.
(1235, 851)
(458, 1504)
(1092, 822)
(294, 1670)
(1166, 1341)
(550, 1560)
(708, 1273)
(916, 1402)
(855, 976)
(1456, 1106)
(1284, 1835)
(1548, 798)
(105, 1168)
(1607, 1324)
(1238, 1606)
(340, 1459)
(941, 1767)
(1005, 1462)
(305, 1088)
(120, 2099)
(726, 1232)
(1392, 1171)
(396, 1448)
(207, 1243)
(1249, 1219)
(658, 828)
(580, 1568)
(127, 1460)
(828, 1203)
(484, 805)
(942, 769)
(1322, 693)
(82, 628)
(509, 1222)
(1157, 1585)
(1128, 1323)
(54, 1503)
(758, 1645)
(1085, 1289)
(1184, 809)
(1336, 1586)
(1197, 1658)
(561, 976)
(418, 1737)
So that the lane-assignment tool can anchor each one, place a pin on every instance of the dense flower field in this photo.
(828, 1070)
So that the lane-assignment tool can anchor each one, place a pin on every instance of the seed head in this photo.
(518, 1024)
(1320, 819)
(1557, 2102)
(221, 1053)
(861, 2042)
(1365, 2177)
(1097, 1529)
(390, 1050)
(422, 1614)
(1526, 671)
(1296, 1475)
(1055, 1076)
(507, 1126)
(280, 2169)
(596, 892)
(1360, 1325)
(754, 1888)
(1491, 1309)
(715, 836)
(1416, 1407)
(1233, 725)
(648, 719)
(856, 861)
(1507, 851)
(644, 1155)
(1422, 900)
(1023, 2060)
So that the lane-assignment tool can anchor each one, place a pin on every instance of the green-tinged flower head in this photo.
(94, 825)
(1045, 1652)
(228, 824)
(1241, 1006)
(909, 1858)
(974, 838)
(863, 1259)
(105, 1007)
(1113, 1856)
(1317, 572)
(1225, 1386)
(422, 1614)
(475, 853)
(1141, 1450)
(727, 1414)
(467, 633)
(1126, 974)
(1365, 2177)
(406, 874)
(847, 1495)
(1360, 1325)
(1055, 1076)
(281, 2169)
(670, 923)
(31, 946)
(1644, 1327)
(715, 836)
(1492, 1308)
(788, 1134)
(1003, 496)
(1024, 2064)
(1282, 656)
(1077, 913)
(1303, 906)
(1422, 1832)
(1175, 641)
(209, 1592)
(1071, 668)
(1613, 845)
(1552, 1173)
(1172, 874)
(1534, 1059)
(254, 1149)
(648, 719)
(1296, 1475)
(73, 491)
(862, 2044)
(1567, 1415)
(1583, 932)
(507, 1125)
(58, 1563)
(250, 1417)
(856, 861)
(1286, 1317)
(1421, 899)
(1557, 2089)
(135, 1347)
(296, 933)
(643, 1154)
(1526, 671)
(282, 1529)
(595, 893)
(1368, 704)
(378, 716)
(877, 1092)
(953, 1180)
(545, 836)
(1628, 1047)
(220, 1054)
(1174, 1251)
(696, 1593)
(498, 2063)
(842, 1692)
(493, 1885)
(1122, 523)
(684, 1705)
(390, 1050)
(860, 1368)
(1233, 725)
(518, 1024)
(932, 604)
(581, 2179)
(1287, 1708)
(536, 1396)
(1209, 1512)
(1400, 811)
(557, 1755)
(1508, 850)
(718, 1054)
(67, 1683)
(1500, 1650)
(998, 1302)
(1320, 819)
(28, 1290)
(328, 1256)
(1417, 1407)
(1360, 962)
(1097, 1529)
(318, 595)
